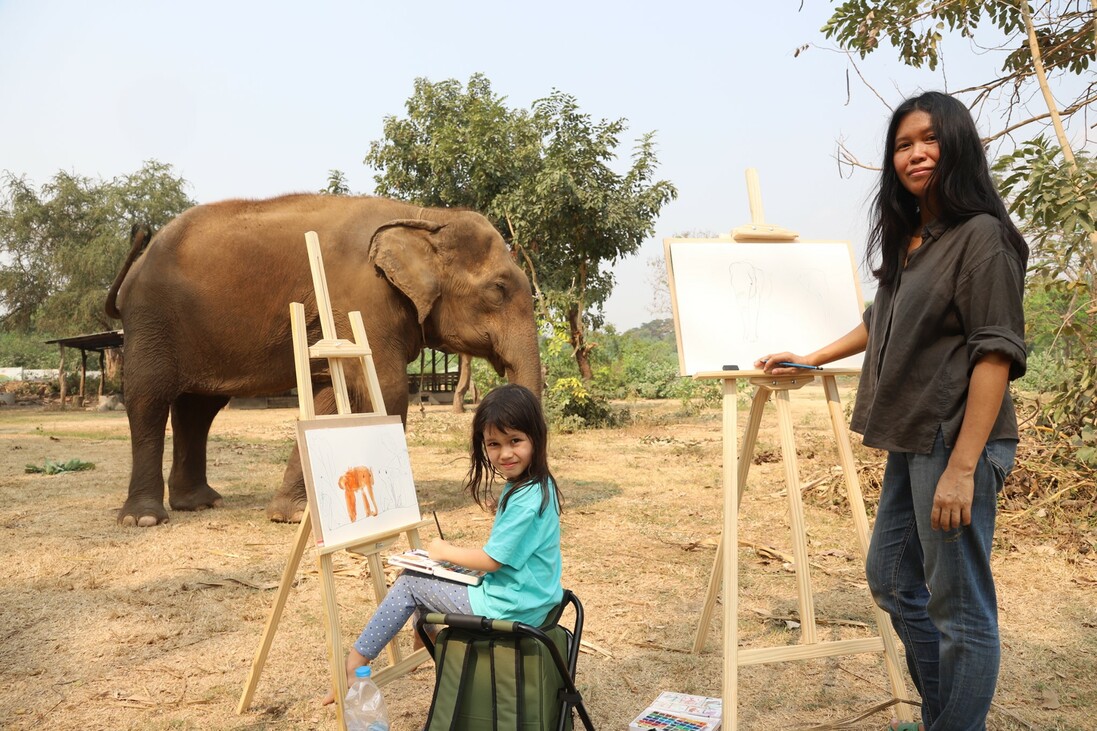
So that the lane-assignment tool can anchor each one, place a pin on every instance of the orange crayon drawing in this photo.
(358, 480)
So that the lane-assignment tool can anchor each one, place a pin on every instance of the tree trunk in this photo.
(464, 379)
(578, 343)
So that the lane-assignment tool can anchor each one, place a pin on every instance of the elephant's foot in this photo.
(202, 497)
(286, 509)
(142, 513)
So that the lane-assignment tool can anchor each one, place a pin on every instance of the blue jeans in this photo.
(937, 585)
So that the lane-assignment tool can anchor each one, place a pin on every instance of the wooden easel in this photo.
(725, 569)
(335, 351)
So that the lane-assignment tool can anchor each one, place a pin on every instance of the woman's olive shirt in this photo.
(957, 299)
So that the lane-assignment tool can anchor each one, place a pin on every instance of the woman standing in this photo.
(942, 340)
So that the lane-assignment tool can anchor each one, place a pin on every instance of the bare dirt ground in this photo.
(109, 628)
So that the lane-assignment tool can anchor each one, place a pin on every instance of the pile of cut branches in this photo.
(1049, 495)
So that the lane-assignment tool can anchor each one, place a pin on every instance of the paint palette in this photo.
(656, 721)
(680, 712)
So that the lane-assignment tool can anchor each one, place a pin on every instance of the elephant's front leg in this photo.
(289, 503)
(191, 417)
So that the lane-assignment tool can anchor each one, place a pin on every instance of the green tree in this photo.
(544, 176)
(1047, 51)
(457, 147)
(61, 247)
(575, 215)
(337, 184)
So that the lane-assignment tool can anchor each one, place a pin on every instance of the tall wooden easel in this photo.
(725, 569)
(336, 352)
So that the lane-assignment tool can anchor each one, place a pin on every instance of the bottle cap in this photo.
(362, 671)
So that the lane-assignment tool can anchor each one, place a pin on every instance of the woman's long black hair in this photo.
(961, 185)
(510, 407)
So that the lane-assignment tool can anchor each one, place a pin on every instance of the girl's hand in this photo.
(470, 558)
(768, 363)
(437, 549)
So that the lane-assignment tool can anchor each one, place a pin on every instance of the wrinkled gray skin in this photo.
(205, 309)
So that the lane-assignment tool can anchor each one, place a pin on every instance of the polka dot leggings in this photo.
(410, 592)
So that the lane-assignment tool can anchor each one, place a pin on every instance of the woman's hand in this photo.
(768, 363)
(849, 344)
(952, 499)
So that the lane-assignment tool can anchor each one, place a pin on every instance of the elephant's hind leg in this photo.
(368, 498)
(144, 506)
(191, 417)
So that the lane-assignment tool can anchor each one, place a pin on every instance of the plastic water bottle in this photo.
(364, 709)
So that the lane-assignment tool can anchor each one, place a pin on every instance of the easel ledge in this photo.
(754, 373)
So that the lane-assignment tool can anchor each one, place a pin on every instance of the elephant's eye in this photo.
(497, 292)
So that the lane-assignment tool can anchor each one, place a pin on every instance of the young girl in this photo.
(522, 555)
(942, 340)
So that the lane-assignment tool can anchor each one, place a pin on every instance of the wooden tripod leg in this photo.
(336, 660)
(730, 559)
(757, 406)
(304, 532)
(860, 524)
(796, 516)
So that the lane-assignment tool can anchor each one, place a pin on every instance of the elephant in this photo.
(205, 303)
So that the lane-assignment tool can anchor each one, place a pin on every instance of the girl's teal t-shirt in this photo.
(526, 541)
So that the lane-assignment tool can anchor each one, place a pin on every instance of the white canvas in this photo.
(735, 301)
(334, 454)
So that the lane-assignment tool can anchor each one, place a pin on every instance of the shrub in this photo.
(570, 405)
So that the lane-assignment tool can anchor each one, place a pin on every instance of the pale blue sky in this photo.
(253, 99)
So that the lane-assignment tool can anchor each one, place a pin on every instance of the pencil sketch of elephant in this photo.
(204, 306)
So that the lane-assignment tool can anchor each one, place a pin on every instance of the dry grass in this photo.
(106, 628)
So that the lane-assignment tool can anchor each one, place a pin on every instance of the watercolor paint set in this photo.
(680, 712)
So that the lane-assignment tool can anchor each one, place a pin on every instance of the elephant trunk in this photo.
(522, 361)
(529, 375)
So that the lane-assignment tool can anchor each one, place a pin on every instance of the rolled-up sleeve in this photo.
(989, 299)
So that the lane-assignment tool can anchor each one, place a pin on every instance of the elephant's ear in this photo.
(405, 252)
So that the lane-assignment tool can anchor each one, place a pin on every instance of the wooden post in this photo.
(83, 376)
(61, 376)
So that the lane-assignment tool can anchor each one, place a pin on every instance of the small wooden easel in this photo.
(336, 352)
(725, 569)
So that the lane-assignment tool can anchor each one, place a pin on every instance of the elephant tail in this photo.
(139, 239)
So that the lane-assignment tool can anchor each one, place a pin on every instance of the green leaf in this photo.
(52, 468)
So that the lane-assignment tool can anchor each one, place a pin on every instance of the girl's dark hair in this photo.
(960, 181)
(510, 407)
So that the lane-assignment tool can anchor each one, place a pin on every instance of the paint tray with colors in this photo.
(680, 712)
